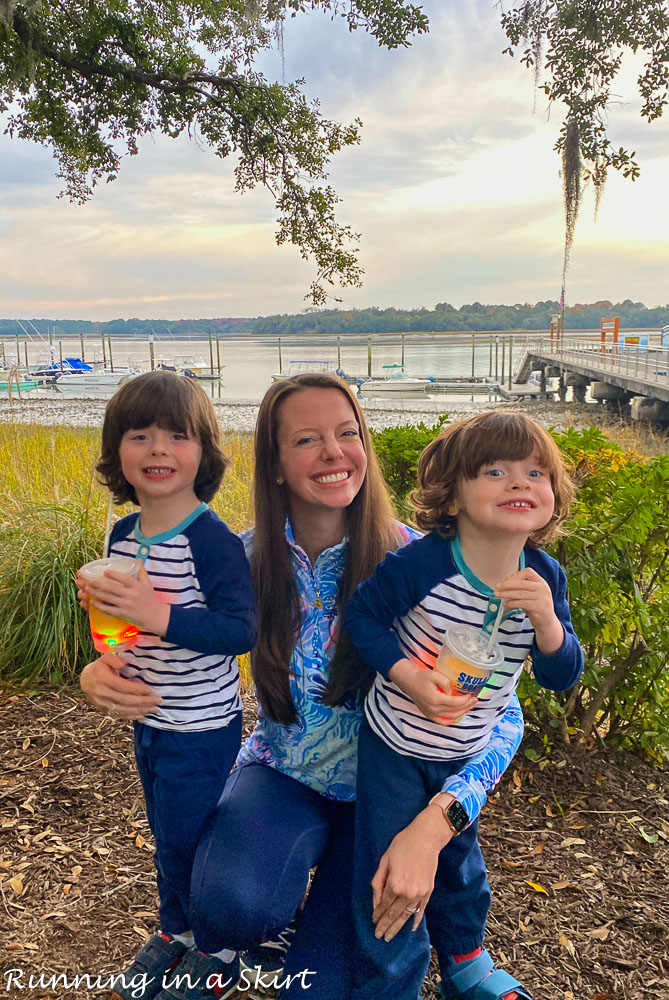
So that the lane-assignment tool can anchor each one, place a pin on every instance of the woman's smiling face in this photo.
(321, 457)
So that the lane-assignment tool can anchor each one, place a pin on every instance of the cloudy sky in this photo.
(455, 189)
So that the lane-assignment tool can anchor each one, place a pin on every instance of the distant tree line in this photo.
(443, 317)
(162, 329)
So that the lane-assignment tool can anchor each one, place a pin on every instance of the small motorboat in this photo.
(103, 377)
(69, 366)
(396, 383)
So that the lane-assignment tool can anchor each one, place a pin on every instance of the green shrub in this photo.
(398, 449)
(616, 556)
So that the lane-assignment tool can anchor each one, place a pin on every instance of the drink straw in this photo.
(495, 629)
(105, 547)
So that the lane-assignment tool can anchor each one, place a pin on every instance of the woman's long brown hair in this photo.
(371, 529)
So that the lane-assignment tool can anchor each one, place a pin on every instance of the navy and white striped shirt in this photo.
(200, 569)
(403, 610)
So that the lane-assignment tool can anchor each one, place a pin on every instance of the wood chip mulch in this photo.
(577, 847)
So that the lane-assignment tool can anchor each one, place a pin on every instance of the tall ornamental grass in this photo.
(52, 516)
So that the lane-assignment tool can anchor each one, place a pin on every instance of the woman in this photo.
(323, 521)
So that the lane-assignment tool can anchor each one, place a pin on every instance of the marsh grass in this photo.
(52, 515)
(642, 438)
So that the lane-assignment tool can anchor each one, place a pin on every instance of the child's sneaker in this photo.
(160, 955)
(270, 956)
(201, 977)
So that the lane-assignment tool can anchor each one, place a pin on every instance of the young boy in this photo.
(193, 601)
(491, 489)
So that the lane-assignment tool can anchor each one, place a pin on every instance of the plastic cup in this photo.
(110, 633)
(463, 659)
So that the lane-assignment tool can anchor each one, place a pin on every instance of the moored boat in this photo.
(23, 384)
(396, 383)
(310, 366)
(84, 380)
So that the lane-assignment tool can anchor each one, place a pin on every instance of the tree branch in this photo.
(159, 81)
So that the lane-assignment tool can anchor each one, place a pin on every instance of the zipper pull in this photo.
(318, 603)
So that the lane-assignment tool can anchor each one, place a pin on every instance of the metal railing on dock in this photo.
(649, 365)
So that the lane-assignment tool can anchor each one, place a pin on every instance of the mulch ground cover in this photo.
(577, 847)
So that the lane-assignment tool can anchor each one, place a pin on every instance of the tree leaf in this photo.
(537, 887)
(601, 933)
(567, 945)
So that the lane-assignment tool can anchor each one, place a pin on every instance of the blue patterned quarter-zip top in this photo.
(320, 748)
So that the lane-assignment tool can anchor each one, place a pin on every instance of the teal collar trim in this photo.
(462, 566)
(165, 536)
(470, 577)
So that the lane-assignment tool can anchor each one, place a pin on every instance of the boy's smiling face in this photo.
(159, 463)
(506, 496)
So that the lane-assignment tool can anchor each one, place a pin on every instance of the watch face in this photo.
(457, 814)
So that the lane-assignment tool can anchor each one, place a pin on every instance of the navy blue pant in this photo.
(183, 774)
(251, 870)
(391, 790)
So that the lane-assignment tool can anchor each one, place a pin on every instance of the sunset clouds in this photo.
(455, 189)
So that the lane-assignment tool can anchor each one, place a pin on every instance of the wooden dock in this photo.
(634, 373)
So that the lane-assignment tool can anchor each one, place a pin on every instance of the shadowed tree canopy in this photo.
(89, 80)
(576, 49)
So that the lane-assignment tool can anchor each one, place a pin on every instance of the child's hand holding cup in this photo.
(110, 633)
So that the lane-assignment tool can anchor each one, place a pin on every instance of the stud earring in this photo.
(280, 480)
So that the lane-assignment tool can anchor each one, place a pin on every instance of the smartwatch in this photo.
(455, 814)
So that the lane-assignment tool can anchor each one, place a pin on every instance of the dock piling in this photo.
(369, 356)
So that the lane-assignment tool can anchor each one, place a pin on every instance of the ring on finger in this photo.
(113, 711)
(413, 909)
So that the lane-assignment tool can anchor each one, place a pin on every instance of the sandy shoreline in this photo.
(240, 414)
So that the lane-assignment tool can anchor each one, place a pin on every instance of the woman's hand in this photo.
(404, 879)
(104, 687)
(131, 598)
(530, 592)
(426, 688)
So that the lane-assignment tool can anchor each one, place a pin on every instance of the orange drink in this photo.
(465, 661)
(110, 633)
